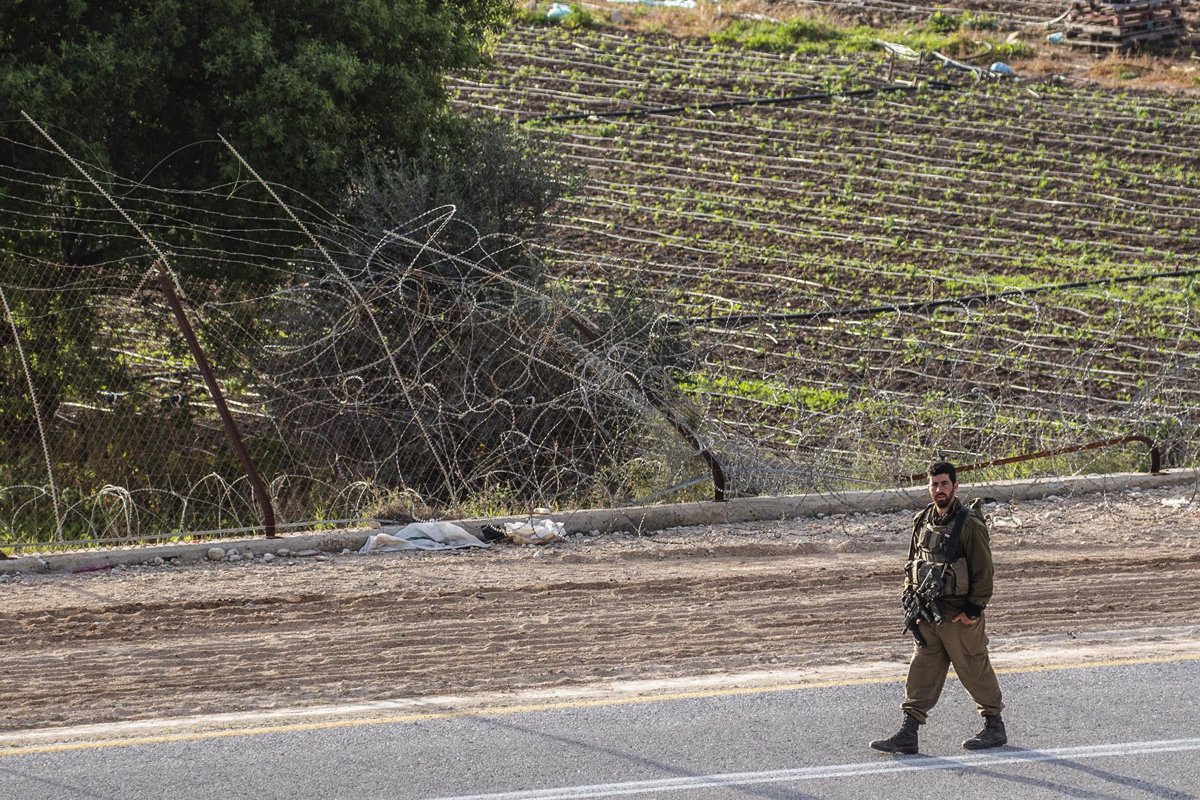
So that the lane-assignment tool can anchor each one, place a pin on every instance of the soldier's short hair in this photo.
(943, 468)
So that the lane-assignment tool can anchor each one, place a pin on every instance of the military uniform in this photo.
(968, 588)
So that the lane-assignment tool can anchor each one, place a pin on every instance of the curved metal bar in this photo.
(1155, 456)
(655, 399)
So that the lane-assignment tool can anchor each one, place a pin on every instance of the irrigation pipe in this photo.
(725, 105)
(1057, 19)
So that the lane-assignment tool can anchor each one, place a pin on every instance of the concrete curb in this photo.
(639, 519)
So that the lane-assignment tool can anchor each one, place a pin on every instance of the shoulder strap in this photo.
(950, 547)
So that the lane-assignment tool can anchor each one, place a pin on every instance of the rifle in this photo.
(921, 603)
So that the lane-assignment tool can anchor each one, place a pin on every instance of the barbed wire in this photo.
(405, 365)
(421, 368)
(850, 241)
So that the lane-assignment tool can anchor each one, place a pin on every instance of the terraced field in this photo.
(805, 222)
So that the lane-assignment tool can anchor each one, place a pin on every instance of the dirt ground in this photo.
(1091, 577)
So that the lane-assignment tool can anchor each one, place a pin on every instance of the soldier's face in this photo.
(941, 489)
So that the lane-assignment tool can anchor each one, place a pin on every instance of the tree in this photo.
(306, 89)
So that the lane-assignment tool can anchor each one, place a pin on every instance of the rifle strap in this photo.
(950, 548)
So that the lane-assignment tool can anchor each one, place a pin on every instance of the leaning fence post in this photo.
(720, 492)
(167, 284)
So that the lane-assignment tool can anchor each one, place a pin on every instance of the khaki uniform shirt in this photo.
(971, 588)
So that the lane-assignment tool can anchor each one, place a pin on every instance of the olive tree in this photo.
(306, 89)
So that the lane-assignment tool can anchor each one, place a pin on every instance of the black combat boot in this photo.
(992, 735)
(905, 740)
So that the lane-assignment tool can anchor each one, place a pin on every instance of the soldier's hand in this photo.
(964, 619)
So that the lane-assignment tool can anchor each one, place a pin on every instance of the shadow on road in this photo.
(769, 792)
(1042, 757)
(74, 791)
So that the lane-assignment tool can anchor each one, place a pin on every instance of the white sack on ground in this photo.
(539, 532)
(421, 536)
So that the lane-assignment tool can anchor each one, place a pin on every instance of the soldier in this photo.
(960, 639)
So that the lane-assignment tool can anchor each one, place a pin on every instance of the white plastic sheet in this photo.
(421, 536)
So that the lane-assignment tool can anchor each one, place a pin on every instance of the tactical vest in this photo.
(930, 554)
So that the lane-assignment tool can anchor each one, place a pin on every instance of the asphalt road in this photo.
(1116, 731)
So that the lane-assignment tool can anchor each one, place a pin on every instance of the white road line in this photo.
(392, 712)
(881, 767)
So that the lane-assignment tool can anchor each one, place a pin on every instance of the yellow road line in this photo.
(1115, 662)
(559, 705)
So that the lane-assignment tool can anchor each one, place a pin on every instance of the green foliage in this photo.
(803, 35)
(944, 32)
(773, 394)
(580, 18)
(303, 89)
(976, 21)
(54, 353)
(944, 22)
(497, 178)
(1013, 51)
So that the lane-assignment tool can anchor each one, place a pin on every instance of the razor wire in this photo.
(815, 249)
(402, 372)
(413, 367)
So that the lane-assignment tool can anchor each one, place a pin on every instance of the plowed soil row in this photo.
(210, 638)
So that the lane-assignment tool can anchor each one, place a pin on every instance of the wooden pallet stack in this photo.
(1125, 26)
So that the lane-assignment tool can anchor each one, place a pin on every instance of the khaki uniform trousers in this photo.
(964, 646)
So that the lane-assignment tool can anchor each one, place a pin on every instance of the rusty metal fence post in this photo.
(167, 283)
(720, 491)
(1155, 465)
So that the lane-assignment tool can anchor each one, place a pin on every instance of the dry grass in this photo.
(687, 23)
(1176, 73)
(1146, 71)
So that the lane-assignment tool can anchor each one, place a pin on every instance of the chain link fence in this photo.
(808, 297)
(875, 269)
(407, 370)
